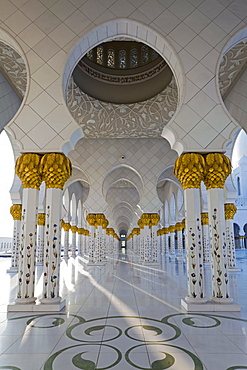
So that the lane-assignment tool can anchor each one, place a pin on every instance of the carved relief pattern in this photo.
(232, 65)
(100, 119)
(14, 68)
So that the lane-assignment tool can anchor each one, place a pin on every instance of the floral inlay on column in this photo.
(27, 168)
(217, 169)
(230, 210)
(66, 226)
(154, 220)
(55, 170)
(205, 239)
(15, 211)
(189, 169)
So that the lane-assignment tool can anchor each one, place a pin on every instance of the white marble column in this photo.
(166, 234)
(154, 220)
(55, 169)
(172, 242)
(218, 167)
(15, 211)
(41, 239)
(74, 240)
(66, 226)
(27, 168)
(179, 228)
(99, 248)
(206, 239)
(91, 240)
(80, 234)
(141, 254)
(105, 245)
(230, 210)
(189, 169)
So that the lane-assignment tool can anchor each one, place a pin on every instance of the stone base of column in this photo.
(209, 307)
(38, 307)
(13, 270)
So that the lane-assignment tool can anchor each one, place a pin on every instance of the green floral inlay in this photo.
(162, 333)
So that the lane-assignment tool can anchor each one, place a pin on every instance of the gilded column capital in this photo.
(105, 223)
(110, 231)
(145, 217)
(66, 226)
(99, 219)
(230, 210)
(74, 229)
(80, 231)
(15, 211)
(41, 219)
(217, 169)
(55, 169)
(136, 231)
(172, 228)
(154, 219)
(140, 223)
(189, 170)
(27, 169)
(91, 219)
(166, 230)
(204, 218)
(179, 226)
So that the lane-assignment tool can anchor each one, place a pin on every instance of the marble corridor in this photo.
(121, 316)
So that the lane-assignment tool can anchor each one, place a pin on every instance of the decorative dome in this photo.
(122, 72)
(240, 148)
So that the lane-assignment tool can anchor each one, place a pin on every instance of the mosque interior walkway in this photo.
(124, 316)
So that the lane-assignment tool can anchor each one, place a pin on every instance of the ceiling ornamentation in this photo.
(106, 120)
(13, 67)
(128, 79)
(232, 65)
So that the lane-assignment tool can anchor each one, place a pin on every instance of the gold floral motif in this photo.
(189, 170)
(41, 219)
(145, 217)
(27, 169)
(230, 210)
(99, 219)
(66, 226)
(154, 219)
(55, 169)
(172, 229)
(204, 218)
(105, 223)
(91, 219)
(81, 231)
(74, 229)
(140, 224)
(217, 169)
(179, 226)
(15, 211)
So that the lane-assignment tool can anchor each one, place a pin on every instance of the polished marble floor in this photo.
(124, 316)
